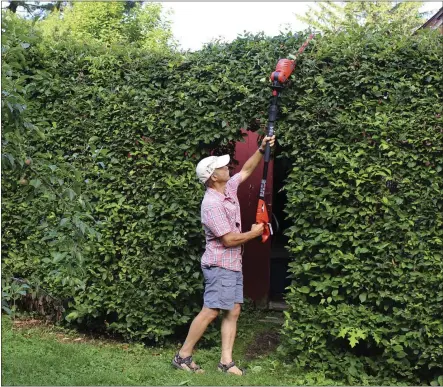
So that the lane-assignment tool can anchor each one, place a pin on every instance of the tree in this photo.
(332, 17)
(36, 6)
(136, 23)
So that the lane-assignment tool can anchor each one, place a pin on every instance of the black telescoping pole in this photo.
(272, 117)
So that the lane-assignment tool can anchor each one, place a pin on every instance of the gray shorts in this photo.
(223, 288)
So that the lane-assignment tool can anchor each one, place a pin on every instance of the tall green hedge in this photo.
(364, 128)
(133, 125)
(361, 125)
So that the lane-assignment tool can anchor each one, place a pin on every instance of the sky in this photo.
(196, 23)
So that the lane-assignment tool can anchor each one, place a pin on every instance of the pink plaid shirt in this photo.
(220, 215)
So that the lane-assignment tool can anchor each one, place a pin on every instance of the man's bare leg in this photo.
(228, 332)
(196, 330)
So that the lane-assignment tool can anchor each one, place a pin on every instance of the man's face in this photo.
(222, 173)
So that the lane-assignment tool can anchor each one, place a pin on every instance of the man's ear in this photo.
(210, 181)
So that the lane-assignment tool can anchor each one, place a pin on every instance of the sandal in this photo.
(225, 367)
(178, 361)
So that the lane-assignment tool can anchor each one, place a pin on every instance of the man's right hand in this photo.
(234, 239)
(258, 228)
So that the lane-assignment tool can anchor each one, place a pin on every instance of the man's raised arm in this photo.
(255, 159)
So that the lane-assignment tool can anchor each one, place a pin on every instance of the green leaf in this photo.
(72, 316)
(304, 289)
(353, 340)
(35, 183)
(40, 133)
(71, 194)
(343, 332)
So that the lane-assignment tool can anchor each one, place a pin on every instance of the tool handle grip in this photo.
(266, 233)
(267, 152)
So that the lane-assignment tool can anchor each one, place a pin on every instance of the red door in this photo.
(256, 257)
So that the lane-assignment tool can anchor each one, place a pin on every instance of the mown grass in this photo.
(37, 354)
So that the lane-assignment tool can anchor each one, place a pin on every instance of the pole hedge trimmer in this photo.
(279, 78)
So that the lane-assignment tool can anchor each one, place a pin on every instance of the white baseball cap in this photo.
(205, 168)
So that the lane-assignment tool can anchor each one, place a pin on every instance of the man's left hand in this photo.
(265, 140)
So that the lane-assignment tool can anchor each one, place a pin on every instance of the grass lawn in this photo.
(34, 353)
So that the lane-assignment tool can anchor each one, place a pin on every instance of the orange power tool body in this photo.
(279, 77)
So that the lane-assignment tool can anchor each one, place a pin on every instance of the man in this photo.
(222, 260)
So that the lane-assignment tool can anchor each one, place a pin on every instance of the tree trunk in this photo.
(13, 6)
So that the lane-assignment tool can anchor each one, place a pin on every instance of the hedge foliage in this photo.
(365, 194)
(133, 126)
(361, 123)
